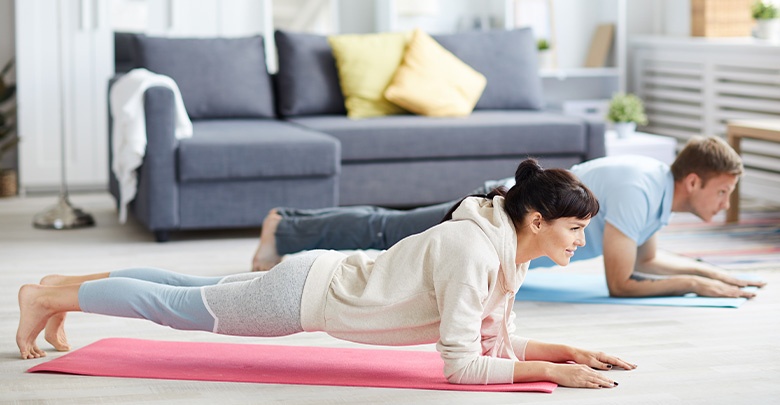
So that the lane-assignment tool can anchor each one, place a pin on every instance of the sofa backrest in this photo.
(308, 82)
(227, 77)
(217, 77)
(508, 59)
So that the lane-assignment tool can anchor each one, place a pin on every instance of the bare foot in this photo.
(55, 326)
(266, 255)
(33, 315)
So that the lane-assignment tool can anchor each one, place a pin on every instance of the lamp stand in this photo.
(63, 215)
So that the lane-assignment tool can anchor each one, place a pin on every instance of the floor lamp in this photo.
(62, 215)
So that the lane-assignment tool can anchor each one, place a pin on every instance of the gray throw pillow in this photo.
(307, 81)
(217, 77)
(508, 59)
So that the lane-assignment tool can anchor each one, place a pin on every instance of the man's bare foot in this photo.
(33, 315)
(266, 255)
(55, 326)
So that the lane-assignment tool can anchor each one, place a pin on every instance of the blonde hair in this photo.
(707, 157)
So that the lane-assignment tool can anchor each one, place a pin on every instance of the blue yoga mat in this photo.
(592, 289)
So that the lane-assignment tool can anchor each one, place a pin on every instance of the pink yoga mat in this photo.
(259, 363)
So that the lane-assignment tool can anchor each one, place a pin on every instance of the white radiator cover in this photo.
(693, 86)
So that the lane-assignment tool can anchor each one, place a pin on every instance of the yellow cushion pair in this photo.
(381, 74)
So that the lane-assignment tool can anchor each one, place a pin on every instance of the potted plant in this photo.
(8, 138)
(767, 21)
(625, 112)
(545, 54)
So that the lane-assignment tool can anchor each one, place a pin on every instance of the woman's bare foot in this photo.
(37, 303)
(55, 326)
(266, 255)
(33, 315)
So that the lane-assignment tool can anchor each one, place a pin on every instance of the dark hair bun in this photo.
(527, 170)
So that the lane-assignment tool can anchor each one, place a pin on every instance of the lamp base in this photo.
(63, 215)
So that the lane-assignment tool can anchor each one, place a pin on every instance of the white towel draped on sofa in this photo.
(129, 130)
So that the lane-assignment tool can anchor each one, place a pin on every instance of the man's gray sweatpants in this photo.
(359, 227)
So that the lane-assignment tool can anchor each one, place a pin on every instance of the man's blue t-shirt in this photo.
(635, 196)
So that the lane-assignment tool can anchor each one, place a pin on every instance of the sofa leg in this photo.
(162, 236)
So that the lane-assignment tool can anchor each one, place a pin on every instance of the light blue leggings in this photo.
(247, 304)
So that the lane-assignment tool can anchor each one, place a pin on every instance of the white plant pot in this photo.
(768, 29)
(546, 61)
(624, 129)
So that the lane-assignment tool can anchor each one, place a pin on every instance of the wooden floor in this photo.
(685, 355)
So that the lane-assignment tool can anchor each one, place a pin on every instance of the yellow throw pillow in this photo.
(366, 63)
(432, 81)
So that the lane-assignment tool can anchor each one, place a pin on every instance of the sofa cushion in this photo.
(508, 59)
(366, 63)
(217, 77)
(307, 82)
(252, 149)
(432, 81)
(483, 133)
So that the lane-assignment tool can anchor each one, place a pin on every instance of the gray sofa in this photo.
(262, 141)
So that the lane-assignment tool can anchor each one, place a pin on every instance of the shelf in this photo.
(707, 44)
(562, 74)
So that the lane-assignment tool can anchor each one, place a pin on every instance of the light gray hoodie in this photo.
(452, 285)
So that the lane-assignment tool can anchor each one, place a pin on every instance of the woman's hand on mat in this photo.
(558, 353)
(707, 287)
(599, 360)
(579, 376)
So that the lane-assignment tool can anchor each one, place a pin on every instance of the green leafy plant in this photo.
(626, 108)
(763, 10)
(8, 138)
(542, 44)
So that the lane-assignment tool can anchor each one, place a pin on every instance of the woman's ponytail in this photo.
(555, 193)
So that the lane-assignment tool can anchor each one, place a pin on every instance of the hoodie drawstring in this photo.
(503, 341)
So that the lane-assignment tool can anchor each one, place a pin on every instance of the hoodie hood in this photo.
(490, 216)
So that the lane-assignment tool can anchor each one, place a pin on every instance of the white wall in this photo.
(675, 18)
(356, 16)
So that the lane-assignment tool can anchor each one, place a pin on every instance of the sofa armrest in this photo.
(113, 184)
(596, 141)
(157, 199)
